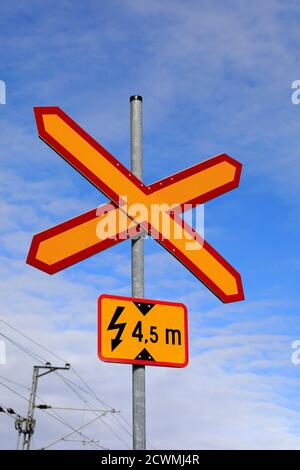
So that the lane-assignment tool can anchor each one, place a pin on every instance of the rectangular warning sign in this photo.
(142, 331)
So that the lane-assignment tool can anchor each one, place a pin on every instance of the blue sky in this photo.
(215, 77)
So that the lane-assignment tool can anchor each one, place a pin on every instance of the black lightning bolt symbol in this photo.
(116, 326)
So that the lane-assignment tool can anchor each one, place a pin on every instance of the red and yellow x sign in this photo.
(72, 241)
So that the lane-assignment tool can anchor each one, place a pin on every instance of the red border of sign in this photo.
(72, 160)
(80, 255)
(146, 363)
(98, 183)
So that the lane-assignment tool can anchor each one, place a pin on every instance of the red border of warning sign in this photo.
(73, 161)
(133, 361)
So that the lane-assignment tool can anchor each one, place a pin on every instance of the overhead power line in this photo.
(68, 382)
(32, 340)
(52, 415)
(16, 393)
(69, 434)
(43, 359)
(46, 407)
(14, 382)
(87, 389)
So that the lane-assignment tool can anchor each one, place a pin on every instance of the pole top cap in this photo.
(136, 97)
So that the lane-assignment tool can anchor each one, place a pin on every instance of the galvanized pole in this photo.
(137, 271)
(27, 426)
(30, 421)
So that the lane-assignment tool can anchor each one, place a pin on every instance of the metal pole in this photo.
(27, 426)
(30, 421)
(137, 272)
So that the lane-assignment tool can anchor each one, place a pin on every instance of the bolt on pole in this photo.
(137, 273)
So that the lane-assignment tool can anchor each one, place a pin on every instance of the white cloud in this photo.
(223, 399)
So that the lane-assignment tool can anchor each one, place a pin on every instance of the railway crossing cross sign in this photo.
(74, 240)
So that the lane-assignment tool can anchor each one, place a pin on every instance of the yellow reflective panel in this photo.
(139, 331)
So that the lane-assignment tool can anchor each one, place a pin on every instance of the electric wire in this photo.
(92, 392)
(123, 427)
(113, 416)
(40, 359)
(86, 402)
(32, 340)
(103, 421)
(64, 408)
(77, 430)
(16, 393)
(24, 398)
(57, 417)
(14, 382)
(34, 356)
(61, 420)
